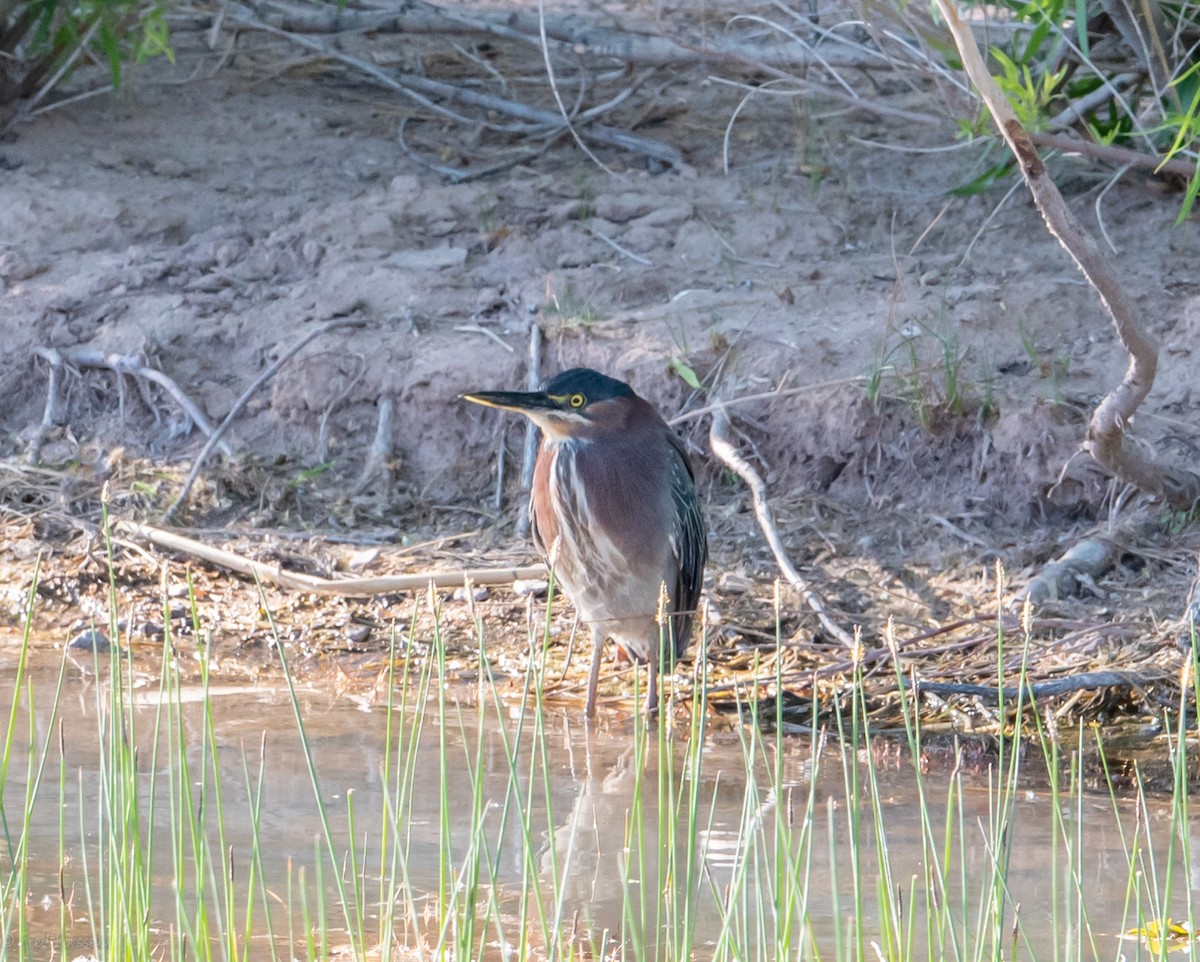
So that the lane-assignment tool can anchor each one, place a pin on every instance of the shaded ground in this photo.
(935, 358)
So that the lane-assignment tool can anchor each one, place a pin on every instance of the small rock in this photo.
(530, 586)
(358, 634)
(438, 258)
(478, 594)
(59, 452)
(734, 583)
(108, 157)
(624, 207)
(169, 167)
(404, 185)
(361, 559)
(312, 252)
(90, 640)
(17, 266)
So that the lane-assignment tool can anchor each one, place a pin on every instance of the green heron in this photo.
(615, 510)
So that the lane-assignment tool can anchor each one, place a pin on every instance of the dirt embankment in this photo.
(930, 360)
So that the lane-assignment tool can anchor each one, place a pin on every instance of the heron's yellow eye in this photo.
(577, 400)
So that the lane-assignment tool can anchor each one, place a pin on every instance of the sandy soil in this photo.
(209, 215)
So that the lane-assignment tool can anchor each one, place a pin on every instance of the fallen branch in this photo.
(1084, 681)
(1106, 432)
(579, 35)
(1088, 559)
(723, 448)
(423, 90)
(296, 581)
(245, 397)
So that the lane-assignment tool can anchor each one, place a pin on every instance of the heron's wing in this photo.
(541, 515)
(690, 543)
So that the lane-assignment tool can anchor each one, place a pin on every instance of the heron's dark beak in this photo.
(524, 402)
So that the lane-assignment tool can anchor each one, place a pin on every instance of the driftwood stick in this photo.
(296, 581)
(533, 380)
(727, 453)
(1106, 431)
(245, 397)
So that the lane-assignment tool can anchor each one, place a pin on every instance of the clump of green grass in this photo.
(925, 367)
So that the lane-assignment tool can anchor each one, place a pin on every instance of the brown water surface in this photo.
(577, 787)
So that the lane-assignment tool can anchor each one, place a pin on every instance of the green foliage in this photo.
(1068, 63)
(42, 41)
(1029, 93)
(681, 368)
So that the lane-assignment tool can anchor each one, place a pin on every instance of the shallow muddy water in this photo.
(568, 814)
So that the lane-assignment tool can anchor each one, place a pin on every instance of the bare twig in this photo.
(636, 258)
(723, 448)
(562, 108)
(1106, 431)
(240, 403)
(461, 176)
(297, 581)
(323, 430)
(64, 68)
(779, 392)
(1114, 155)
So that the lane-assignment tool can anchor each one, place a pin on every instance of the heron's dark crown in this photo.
(591, 384)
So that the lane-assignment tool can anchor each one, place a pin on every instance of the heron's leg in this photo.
(589, 708)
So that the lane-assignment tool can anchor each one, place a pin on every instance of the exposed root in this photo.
(723, 448)
(123, 365)
(529, 450)
(379, 458)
